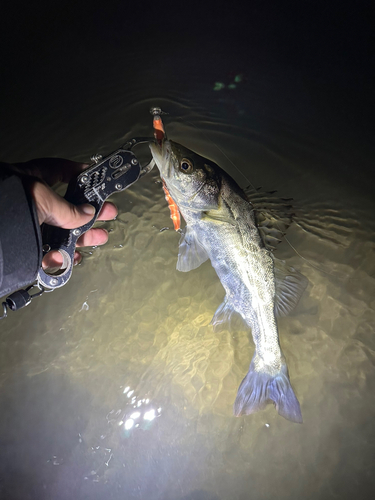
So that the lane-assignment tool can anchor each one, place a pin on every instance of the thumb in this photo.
(56, 211)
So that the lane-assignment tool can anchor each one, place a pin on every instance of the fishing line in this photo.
(222, 152)
(310, 263)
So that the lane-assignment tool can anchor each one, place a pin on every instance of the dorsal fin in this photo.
(273, 215)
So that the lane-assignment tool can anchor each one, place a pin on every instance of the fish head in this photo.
(192, 180)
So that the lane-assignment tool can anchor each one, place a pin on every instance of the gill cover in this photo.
(192, 181)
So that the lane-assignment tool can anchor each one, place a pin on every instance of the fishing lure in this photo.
(175, 213)
(159, 134)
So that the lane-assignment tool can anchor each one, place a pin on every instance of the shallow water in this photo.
(115, 386)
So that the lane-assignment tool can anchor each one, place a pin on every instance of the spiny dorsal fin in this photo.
(273, 215)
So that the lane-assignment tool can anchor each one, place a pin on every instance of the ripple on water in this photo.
(145, 326)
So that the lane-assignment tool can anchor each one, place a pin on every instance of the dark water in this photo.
(116, 386)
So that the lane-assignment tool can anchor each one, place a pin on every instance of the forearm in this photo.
(20, 240)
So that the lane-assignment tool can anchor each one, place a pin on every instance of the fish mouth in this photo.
(161, 154)
(164, 158)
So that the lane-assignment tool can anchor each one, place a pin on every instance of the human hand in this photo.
(56, 211)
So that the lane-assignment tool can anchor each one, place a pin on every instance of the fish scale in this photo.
(249, 279)
(221, 226)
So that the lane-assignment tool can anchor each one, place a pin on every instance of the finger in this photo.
(108, 212)
(93, 237)
(56, 211)
(53, 260)
(77, 258)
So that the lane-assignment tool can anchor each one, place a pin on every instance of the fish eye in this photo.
(186, 166)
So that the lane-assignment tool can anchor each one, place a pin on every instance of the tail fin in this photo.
(260, 388)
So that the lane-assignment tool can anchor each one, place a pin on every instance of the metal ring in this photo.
(145, 170)
(5, 313)
(137, 140)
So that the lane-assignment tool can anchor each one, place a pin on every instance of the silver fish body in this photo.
(221, 226)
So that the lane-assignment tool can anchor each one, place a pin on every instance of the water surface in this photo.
(115, 386)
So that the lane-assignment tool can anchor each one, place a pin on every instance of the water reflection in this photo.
(129, 419)
(103, 450)
(64, 358)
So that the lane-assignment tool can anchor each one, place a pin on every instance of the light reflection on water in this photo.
(116, 384)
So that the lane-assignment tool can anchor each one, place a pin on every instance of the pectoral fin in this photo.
(217, 216)
(191, 253)
(290, 285)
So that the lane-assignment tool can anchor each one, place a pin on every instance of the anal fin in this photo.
(226, 317)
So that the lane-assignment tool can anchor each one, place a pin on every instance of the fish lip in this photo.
(161, 155)
(157, 154)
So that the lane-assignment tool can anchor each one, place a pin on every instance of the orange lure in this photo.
(159, 134)
(175, 213)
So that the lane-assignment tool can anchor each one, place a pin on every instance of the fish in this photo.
(224, 226)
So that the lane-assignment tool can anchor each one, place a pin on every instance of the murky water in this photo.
(115, 386)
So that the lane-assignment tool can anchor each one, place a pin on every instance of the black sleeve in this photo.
(20, 237)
